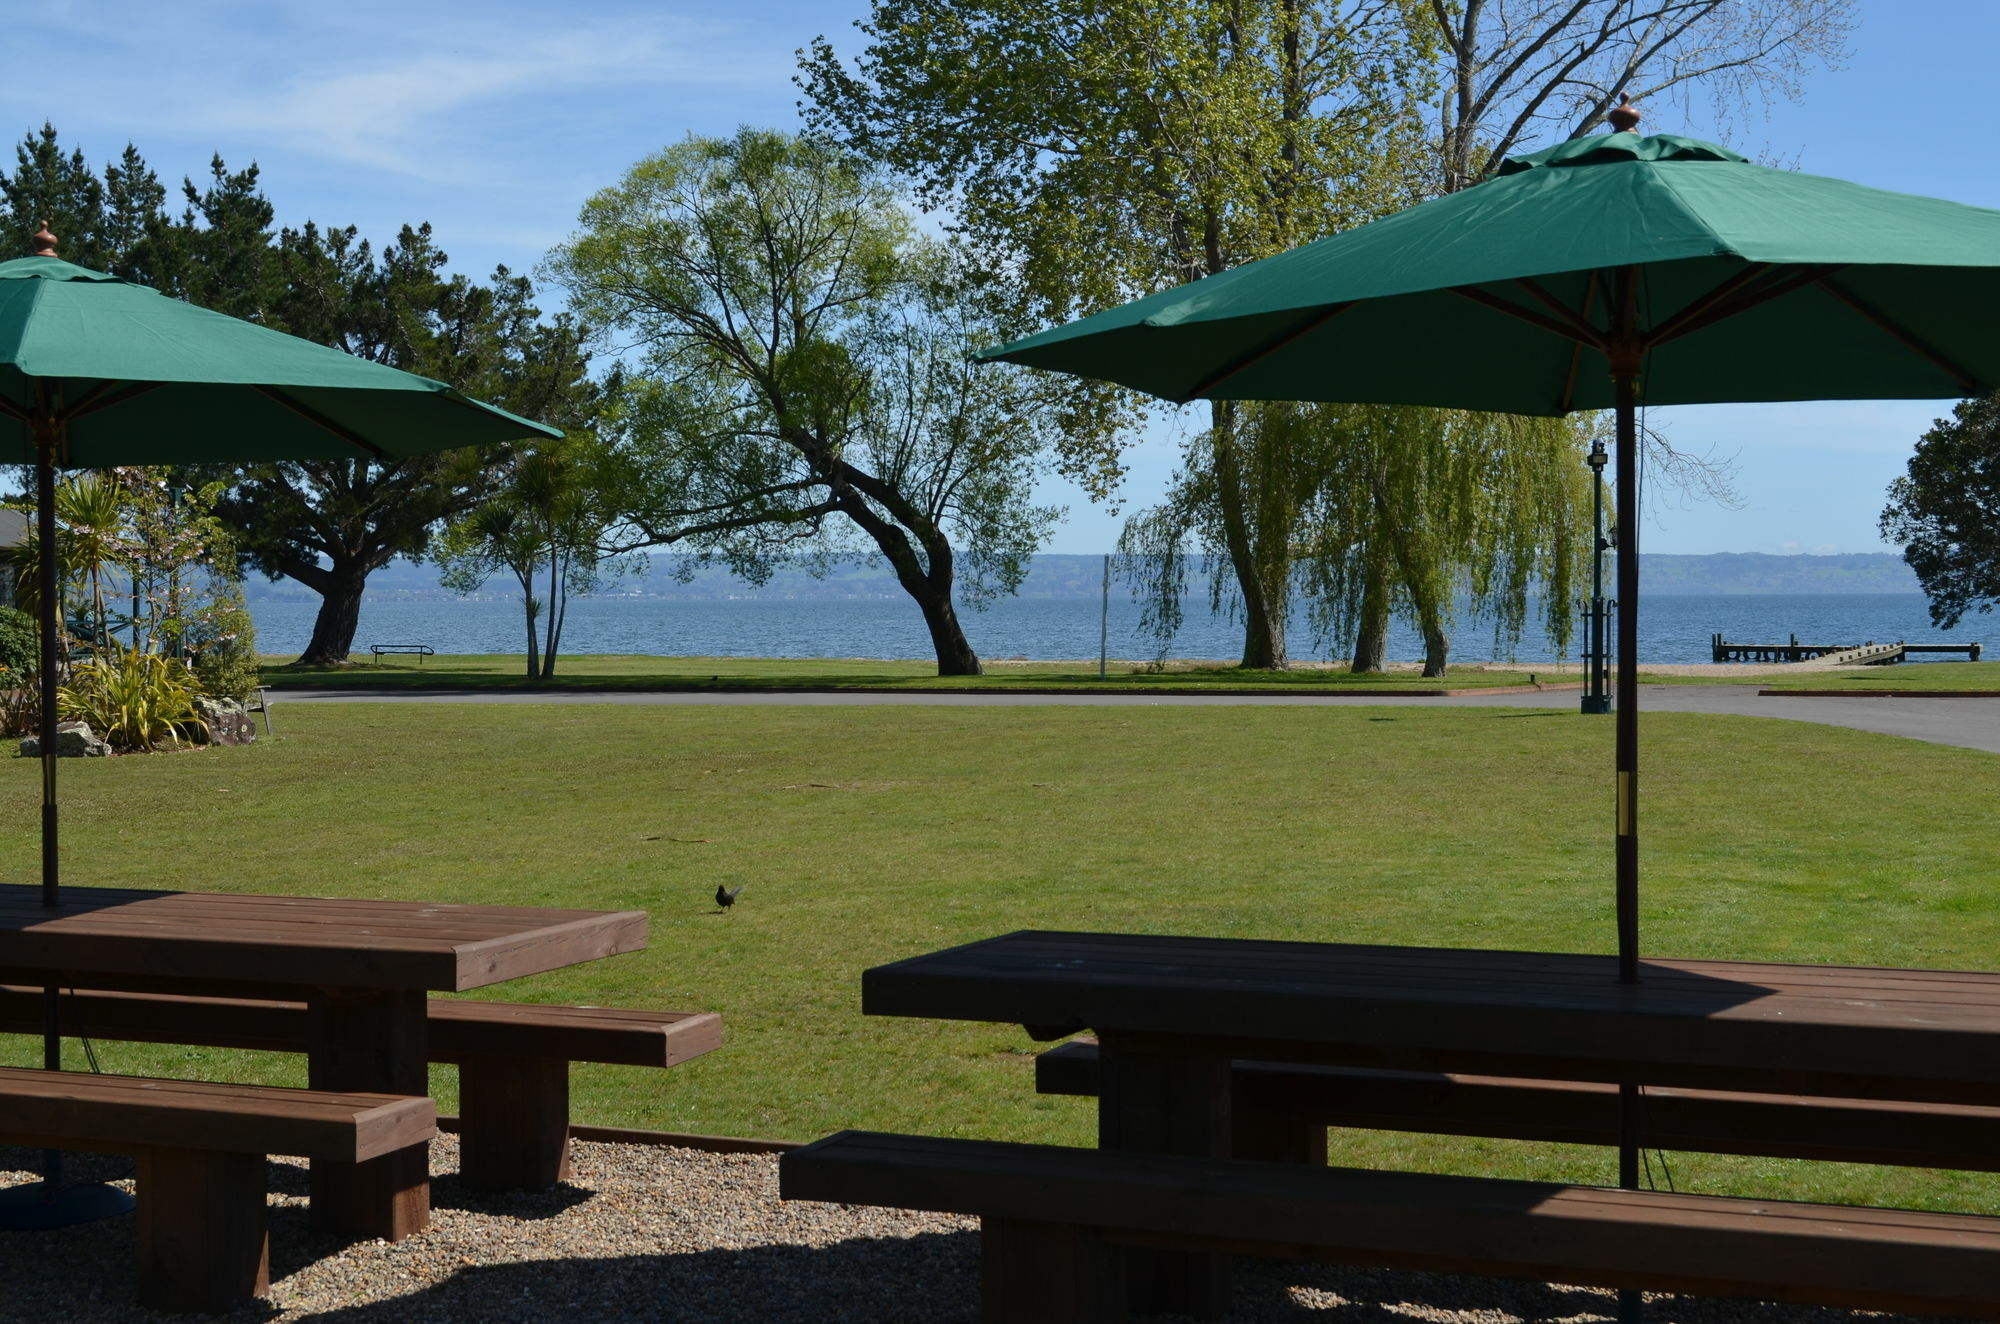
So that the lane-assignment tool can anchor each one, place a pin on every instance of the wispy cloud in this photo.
(433, 90)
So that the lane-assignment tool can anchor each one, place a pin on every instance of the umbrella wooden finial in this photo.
(44, 242)
(1624, 116)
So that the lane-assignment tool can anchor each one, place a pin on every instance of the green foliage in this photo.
(1110, 149)
(134, 698)
(328, 524)
(222, 645)
(547, 527)
(1946, 511)
(20, 645)
(807, 356)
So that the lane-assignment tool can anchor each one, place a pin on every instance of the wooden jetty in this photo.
(1869, 654)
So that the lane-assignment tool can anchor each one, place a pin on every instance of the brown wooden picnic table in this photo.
(363, 967)
(1173, 1013)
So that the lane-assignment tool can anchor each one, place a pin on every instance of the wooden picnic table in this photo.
(1173, 1013)
(363, 967)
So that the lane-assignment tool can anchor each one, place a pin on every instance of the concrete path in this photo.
(1970, 723)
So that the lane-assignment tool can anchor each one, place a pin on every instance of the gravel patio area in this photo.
(658, 1234)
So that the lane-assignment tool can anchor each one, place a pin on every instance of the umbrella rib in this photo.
(1903, 336)
(13, 411)
(1681, 324)
(1668, 329)
(1580, 327)
(1576, 350)
(1263, 352)
(1529, 315)
(102, 396)
(318, 419)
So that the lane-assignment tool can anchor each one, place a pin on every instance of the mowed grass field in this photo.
(865, 835)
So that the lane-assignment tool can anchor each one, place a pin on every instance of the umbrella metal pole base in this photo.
(44, 1204)
(1596, 703)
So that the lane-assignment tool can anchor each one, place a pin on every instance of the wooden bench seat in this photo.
(204, 1240)
(1282, 1110)
(1056, 1223)
(513, 1058)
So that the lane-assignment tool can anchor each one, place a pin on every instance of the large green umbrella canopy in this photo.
(96, 371)
(1602, 272)
(1748, 284)
(130, 376)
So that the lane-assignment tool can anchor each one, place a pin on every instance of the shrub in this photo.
(223, 647)
(20, 646)
(133, 698)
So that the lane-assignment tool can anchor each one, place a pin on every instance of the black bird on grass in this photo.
(726, 897)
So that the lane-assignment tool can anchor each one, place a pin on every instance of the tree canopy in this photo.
(1946, 511)
(1108, 149)
(806, 380)
(325, 524)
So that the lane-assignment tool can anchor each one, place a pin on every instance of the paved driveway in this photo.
(1971, 723)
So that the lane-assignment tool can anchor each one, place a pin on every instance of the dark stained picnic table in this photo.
(362, 967)
(1173, 1013)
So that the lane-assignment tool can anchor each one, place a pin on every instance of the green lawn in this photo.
(867, 835)
(1904, 676)
(645, 672)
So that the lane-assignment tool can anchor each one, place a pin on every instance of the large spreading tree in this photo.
(806, 381)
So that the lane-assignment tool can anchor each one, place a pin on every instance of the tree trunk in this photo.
(1437, 646)
(339, 615)
(927, 580)
(954, 654)
(1263, 612)
(556, 604)
(1371, 640)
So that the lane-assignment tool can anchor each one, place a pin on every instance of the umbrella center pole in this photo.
(1625, 381)
(1624, 373)
(51, 622)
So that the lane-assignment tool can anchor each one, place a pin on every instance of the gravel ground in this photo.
(657, 1234)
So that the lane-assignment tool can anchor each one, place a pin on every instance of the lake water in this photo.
(1671, 628)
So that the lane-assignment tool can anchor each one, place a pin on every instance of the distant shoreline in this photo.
(1071, 577)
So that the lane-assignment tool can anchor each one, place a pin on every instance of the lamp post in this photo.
(1596, 683)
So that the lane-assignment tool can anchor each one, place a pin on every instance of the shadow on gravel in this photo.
(927, 1279)
(934, 1279)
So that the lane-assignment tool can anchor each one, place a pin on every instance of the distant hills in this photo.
(1065, 576)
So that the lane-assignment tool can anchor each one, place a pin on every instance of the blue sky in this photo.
(495, 119)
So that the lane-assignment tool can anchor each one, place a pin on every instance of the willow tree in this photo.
(1108, 149)
(1429, 513)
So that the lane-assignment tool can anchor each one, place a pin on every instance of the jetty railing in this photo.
(1868, 653)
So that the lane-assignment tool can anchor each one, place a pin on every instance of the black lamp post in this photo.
(1597, 672)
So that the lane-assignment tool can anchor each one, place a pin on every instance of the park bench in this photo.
(513, 1058)
(421, 651)
(1057, 1223)
(203, 1230)
(1281, 1111)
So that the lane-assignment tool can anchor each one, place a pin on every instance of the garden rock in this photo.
(228, 723)
(74, 740)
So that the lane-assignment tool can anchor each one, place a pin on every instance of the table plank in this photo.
(1932, 1035)
(189, 937)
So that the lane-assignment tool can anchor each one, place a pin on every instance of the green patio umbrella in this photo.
(96, 371)
(1603, 272)
(1600, 273)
